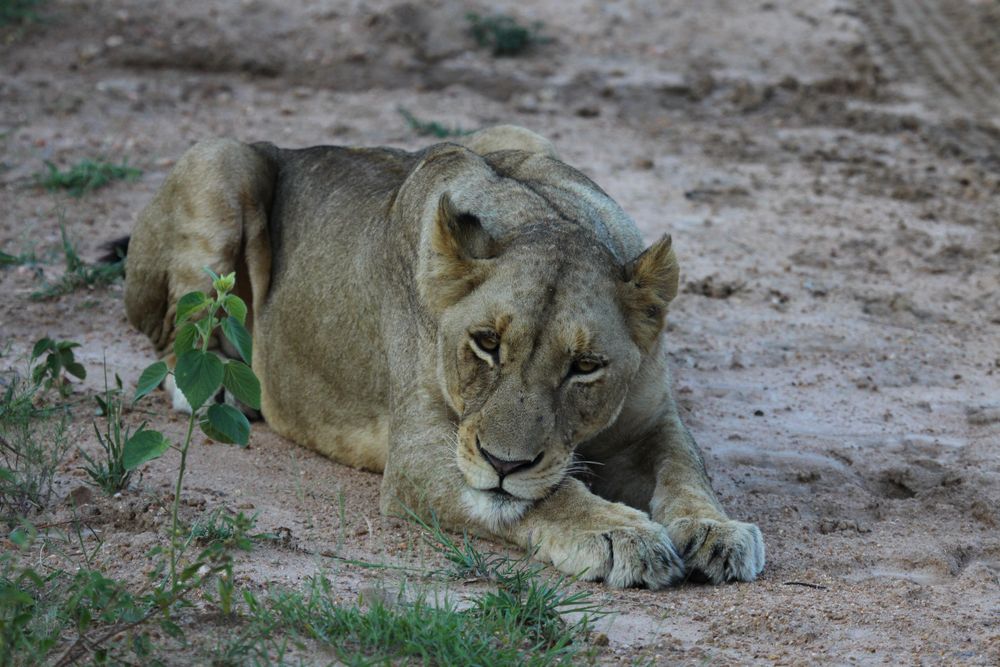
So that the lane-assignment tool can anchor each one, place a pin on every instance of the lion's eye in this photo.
(586, 366)
(486, 342)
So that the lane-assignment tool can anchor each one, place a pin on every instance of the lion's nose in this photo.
(505, 467)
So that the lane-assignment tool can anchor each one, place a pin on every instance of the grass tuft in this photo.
(13, 12)
(108, 472)
(33, 442)
(520, 620)
(79, 273)
(86, 176)
(504, 35)
(430, 128)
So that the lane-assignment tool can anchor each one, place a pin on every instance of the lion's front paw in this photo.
(718, 551)
(623, 557)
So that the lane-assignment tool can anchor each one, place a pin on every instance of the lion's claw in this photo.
(718, 551)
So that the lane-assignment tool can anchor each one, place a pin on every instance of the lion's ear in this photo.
(650, 284)
(460, 250)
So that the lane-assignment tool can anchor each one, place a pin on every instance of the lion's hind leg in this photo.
(211, 211)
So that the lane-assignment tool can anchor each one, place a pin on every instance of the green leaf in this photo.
(76, 369)
(242, 383)
(19, 536)
(6, 474)
(190, 304)
(150, 379)
(42, 345)
(171, 629)
(226, 424)
(239, 337)
(144, 445)
(187, 339)
(234, 306)
(198, 375)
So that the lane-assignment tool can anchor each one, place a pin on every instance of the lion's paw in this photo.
(624, 557)
(718, 551)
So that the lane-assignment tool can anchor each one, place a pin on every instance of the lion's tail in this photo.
(114, 251)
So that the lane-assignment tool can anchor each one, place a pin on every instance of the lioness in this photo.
(476, 320)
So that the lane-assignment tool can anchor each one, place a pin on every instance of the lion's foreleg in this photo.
(714, 547)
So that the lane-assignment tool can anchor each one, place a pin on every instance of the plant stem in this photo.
(177, 500)
(180, 474)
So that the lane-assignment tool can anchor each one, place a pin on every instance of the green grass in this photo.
(430, 128)
(33, 442)
(500, 628)
(503, 35)
(86, 176)
(79, 274)
(13, 12)
(20, 259)
(107, 471)
(519, 620)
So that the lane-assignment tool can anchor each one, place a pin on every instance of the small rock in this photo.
(80, 496)
(982, 415)
(643, 163)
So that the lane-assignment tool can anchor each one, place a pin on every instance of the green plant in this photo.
(86, 176)
(79, 273)
(430, 128)
(199, 374)
(495, 630)
(18, 11)
(6, 259)
(503, 34)
(33, 443)
(108, 618)
(110, 473)
(28, 610)
(58, 364)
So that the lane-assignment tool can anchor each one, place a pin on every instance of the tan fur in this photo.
(428, 315)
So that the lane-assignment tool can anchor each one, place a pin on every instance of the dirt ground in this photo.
(829, 170)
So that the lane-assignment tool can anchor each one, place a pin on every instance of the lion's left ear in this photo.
(460, 250)
(650, 284)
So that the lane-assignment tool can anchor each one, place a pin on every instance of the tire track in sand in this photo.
(929, 46)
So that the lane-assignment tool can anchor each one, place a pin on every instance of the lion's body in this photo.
(368, 270)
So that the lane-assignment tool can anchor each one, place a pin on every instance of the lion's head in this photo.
(540, 334)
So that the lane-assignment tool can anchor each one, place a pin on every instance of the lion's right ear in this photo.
(460, 250)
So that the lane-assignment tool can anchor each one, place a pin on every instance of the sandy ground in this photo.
(830, 171)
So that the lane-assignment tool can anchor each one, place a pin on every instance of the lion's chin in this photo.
(496, 509)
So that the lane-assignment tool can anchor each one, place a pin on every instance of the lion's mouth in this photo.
(501, 492)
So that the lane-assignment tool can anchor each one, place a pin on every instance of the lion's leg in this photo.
(210, 212)
(714, 547)
(662, 472)
(574, 529)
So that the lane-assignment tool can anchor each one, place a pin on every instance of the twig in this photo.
(818, 587)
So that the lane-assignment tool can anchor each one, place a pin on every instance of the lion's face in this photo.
(536, 358)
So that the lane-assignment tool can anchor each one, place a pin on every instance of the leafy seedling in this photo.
(199, 374)
(58, 364)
